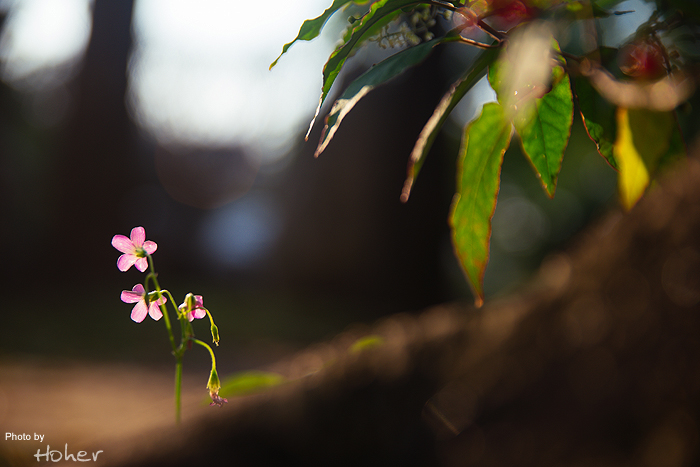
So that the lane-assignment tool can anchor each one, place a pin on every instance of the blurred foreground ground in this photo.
(596, 362)
(84, 404)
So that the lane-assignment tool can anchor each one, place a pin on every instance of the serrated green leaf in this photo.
(380, 10)
(643, 138)
(478, 179)
(311, 28)
(249, 382)
(598, 116)
(543, 123)
(449, 101)
(378, 74)
(545, 133)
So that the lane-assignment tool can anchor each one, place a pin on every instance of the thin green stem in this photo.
(211, 318)
(153, 277)
(167, 292)
(178, 389)
(205, 345)
(177, 351)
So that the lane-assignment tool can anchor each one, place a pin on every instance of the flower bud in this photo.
(190, 301)
(214, 334)
(214, 385)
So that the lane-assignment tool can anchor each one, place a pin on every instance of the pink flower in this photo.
(134, 249)
(193, 306)
(138, 295)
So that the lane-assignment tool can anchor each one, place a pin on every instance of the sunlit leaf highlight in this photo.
(537, 96)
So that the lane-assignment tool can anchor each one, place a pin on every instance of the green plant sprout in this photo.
(627, 97)
(137, 251)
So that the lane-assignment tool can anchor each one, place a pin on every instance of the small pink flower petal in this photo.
(138, 236)
(131, 297)
(141, 264)
(150, 247)
(154, 311)
(138, 295)
(123, 244)
(139, 312)
(125, 261)
(198, 313)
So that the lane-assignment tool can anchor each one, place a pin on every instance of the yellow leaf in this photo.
(643, 136)
(634, 176)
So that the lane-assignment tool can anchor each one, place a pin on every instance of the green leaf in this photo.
(544, 135)
(367, 342)
(249, 382)
(431, 129)
(644, 137)
(375, 76)
(543, 123)
(311, 28)
(598, 116)
(478, 179)
(380, 10)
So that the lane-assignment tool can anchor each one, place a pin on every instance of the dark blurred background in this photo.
(164, 115)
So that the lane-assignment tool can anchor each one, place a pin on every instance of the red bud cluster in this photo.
(642, 60)
(502, 14)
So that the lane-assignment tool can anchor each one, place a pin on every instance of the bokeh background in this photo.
(164, 114)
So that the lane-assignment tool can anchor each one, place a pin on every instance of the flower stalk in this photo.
(151, 299)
